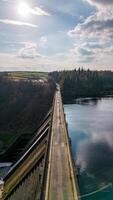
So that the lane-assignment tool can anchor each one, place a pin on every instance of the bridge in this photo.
(46, 170)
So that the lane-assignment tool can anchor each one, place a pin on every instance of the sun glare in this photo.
(24, 9)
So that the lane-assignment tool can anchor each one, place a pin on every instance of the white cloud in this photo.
(23, 8)
(102, 3)
(29, 51)
(38, 11)
(93, 53)
(43, 41)
(11, 62)
(94, 36)
(18, 23)
(99, 25)
(82, 54)
(43, 63)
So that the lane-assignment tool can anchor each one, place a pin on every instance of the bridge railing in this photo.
(44, 178)
(74, 169)
(72, 162)
(23, 166)
(21, 160)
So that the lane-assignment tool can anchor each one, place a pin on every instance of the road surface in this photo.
(61, 184)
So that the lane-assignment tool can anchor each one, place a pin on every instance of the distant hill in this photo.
(21, 75)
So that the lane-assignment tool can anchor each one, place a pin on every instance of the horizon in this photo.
(81, 68)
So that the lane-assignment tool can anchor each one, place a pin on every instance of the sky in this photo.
(48, 35)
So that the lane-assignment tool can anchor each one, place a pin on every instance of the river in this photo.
(90, 126)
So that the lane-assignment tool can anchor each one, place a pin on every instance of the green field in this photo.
(21, 75)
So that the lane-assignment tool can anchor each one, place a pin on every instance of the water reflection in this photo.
(91, 130)
(85, 101)
(96, 159)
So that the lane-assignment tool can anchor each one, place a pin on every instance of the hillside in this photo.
(23, 103)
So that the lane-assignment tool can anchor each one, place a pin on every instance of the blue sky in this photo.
(47, 35)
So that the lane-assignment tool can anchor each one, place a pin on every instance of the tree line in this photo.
(84, 83)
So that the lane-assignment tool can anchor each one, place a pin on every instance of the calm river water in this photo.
(90, 125)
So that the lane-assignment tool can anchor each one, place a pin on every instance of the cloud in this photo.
(43, 41)
(96, 25)
(12, 62)
(18, 23)
(94, 45)
(29, 51)
(92, 52)
(23, 7)
(93, 36)
(103, 3)
(9, 62)
(93, 167)
(34, 10)
(38, 11)
(83, 53)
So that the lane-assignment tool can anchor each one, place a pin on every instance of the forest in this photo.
(84, 83)
(23, 105)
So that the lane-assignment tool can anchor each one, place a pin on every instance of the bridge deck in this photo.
(60, 184)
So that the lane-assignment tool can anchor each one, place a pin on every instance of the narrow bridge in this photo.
(47, 167)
